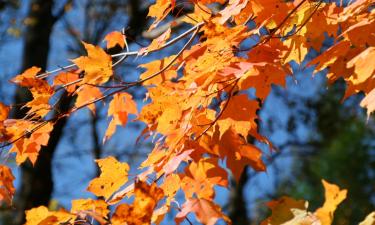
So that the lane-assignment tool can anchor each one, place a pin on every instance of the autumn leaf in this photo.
(4, 112)
(363, 66)
(29, 147)
(369, 220)
(206, 211)
(201, 177)
(284, 210)
(67, 79)
(7, 189)
(115, 38)
(113, 175)
(141, 211)
(28, 77)
(239, 153)
(160, 10)
(333, 197)
(234, 7)
(86, 94)
(239, 113)
(157, 43)
(120, 107)
(369, 102)
(42, 216)
(97, 65)
(97, 209)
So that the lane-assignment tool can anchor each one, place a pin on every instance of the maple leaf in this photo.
(40, 89)
(239, 154)
(363, 66)
(160, 10)
(115, 38)
(288, 211)
(28, 148)
(97, 209)
(170, 186)
(333, 197)
(42, 216)
(239, 114)
(86, 95)
(206, 211)
(369, 220)
(97, 65)
(201, 177)
(7, 189)
(141, 211)
(121, 105)
(156, 43)
(27, 78)
(263, 77)
(66, 78)
(234, 7)
(113, 175)
(4, 112)
(369, 102)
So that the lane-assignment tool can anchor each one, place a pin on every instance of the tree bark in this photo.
(237, 203)
(36, 181)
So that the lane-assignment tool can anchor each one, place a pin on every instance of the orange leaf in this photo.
(239, 153)
(86, 95)
(364, 66)
(4, 112)
(115, 38)
(28, 148)
(41, 216)
(121, 105)
(206, 211)
(156, 43)
(97, 65)
(65, 78)
(141, 211)
(113, 175)
(6, 185)
(160, 10)
(240, 114)
(97, 208)
(201, 177)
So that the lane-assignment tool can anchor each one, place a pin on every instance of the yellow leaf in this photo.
(113, 175)
(333, 197)
(369, 220)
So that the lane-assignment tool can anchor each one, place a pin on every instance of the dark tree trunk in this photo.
(237, 203)
(36, 181)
